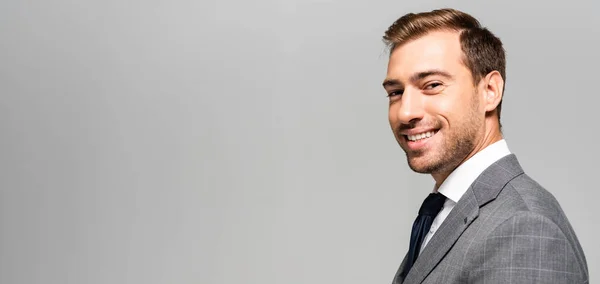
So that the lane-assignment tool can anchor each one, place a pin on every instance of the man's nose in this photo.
(411, 107)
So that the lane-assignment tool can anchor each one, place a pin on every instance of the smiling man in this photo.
(486, 220)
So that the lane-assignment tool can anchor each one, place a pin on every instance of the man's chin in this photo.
(421, 165)
(419, 169)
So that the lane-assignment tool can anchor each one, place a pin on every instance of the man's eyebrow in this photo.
(416, 77)
(391, 83)
(422, 75)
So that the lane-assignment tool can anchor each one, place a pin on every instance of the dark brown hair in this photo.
(483, 51)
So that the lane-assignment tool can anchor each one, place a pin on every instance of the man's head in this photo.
(445, 81)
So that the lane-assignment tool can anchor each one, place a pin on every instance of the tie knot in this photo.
(432, 204)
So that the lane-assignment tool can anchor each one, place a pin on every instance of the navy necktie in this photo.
(429, 209)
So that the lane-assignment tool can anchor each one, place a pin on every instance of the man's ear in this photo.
(493, 85)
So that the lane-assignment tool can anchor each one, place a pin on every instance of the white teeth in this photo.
(420, 136)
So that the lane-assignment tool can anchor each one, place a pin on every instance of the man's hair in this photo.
(483, 51)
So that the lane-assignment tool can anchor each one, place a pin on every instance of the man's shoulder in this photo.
(532, 204)
(532, 196)
(525, 199)
(525, 213)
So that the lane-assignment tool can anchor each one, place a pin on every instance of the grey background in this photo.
(247, 141)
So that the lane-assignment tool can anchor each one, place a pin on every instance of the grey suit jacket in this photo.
(505, 229)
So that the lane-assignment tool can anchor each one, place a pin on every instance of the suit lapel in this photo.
(483, 190)
(465, 211)
(398, 277)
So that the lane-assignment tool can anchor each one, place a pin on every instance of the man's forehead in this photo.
(435, 50)
(446, 37)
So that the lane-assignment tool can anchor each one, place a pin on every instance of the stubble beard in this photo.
(455, 147)
(450, 155)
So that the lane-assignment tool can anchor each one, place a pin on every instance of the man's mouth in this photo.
(420, 136)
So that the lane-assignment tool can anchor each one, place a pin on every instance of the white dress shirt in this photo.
(457, 183)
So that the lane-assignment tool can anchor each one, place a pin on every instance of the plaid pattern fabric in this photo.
(505, 229)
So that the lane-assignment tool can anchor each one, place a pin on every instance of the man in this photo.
(486, 221)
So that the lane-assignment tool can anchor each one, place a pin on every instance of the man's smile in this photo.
(417, 140)
(420, 136)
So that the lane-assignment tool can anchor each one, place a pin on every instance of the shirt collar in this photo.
(457, 183)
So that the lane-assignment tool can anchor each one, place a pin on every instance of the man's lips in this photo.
(418, 139)
(415, 133)
(419, 135)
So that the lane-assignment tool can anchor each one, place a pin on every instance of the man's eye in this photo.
(433, 85)
(396, 93)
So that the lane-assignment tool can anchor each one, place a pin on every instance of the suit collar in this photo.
(458, 182)
(483, 190)
(489, 184)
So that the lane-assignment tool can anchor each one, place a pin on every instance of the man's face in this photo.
(435, 111)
